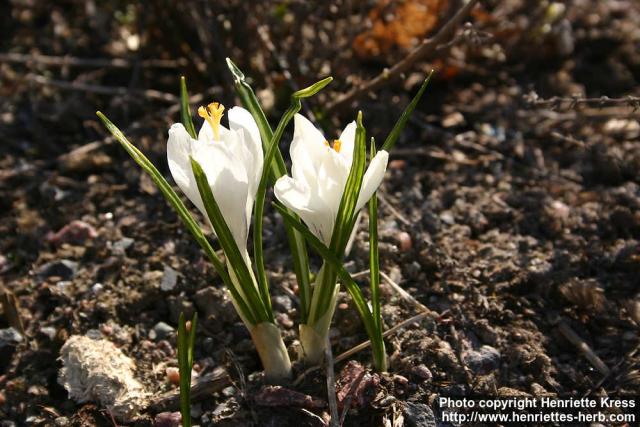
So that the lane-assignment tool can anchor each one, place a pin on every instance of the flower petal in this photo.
(227, 179)
(307, 149)
(239, 118)
(347, 141)
(179, 148)
(372, 178)
(296, 196)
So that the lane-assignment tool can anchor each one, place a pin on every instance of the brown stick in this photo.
(104, 90)
(426, 48)
(570, 103)
(591, 356)
(70, 61)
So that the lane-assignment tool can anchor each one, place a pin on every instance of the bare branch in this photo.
(425, 49)
(70, 61)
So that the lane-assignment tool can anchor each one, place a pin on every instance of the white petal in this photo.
(347, 140)
(296, 196)
(308, 148)
(179, 148)
(228, 182)
(206, 133)
(372, 178)
(332, 177)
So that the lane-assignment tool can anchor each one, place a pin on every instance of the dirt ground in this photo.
(514, 220)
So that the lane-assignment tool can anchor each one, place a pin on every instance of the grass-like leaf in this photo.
(393, 136)
(256, 304)
(374, 333)
(186, 340)
(277, 169)
(374, 256)
(272, 150)
(175, 202)
(185, 110)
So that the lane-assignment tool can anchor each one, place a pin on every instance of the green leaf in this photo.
(374, 333)
(374, 256)
(392, 138)
(277, 169)
(262, 190)
(177, 204)
(186, 342)
(235, 259)
(346, 211)
(185, 110)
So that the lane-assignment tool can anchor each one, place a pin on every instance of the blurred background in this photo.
(511, 206)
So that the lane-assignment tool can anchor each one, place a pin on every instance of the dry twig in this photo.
(570, 103)
(586, 350)
(425, 49)
(70, 61)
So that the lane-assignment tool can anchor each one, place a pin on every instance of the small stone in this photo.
(404, 240)
(447, 218)
(162, 331)
(61, 421)
(422, 372)
(282, 303)
(167, 419)
(173, 375)
(76, 232)
(49, 331)
(96, 288)
(483, 361)
(284, 320)
(9, 337)
(169, 279)
(419, 415)
(64, 269)
(123, 244)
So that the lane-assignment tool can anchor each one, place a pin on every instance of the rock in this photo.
(123, 244)
(61, 421)
(169, 279)
(404, 240)
(173, 375)
(419, 415)
(64, 268)
(282, 303)
(96, 370)
(422, 372)
(161, 331)
(9, 337)
(483, 361)
(76, 232)
(167, 419)
(49, 331)
(97, 288)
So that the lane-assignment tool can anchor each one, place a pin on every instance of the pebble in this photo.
(483, 361)
(76, 232)
(404, 240)
(169, 279)
(61, 421)
(167, 419)
(282, 303)
(123, 244)
(161, 331)
(96, 288)
(64, 269)
(49, 332)
(9, 337)
(173, 375)
(422, 372)
(419, 415)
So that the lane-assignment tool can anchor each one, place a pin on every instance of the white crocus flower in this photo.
(231, 159)
(319, 175)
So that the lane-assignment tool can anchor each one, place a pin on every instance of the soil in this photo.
(513, 222)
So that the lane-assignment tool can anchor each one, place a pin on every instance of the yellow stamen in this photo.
(213, 114)
(336, 145)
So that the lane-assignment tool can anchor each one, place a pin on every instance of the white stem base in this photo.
(272, 351)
